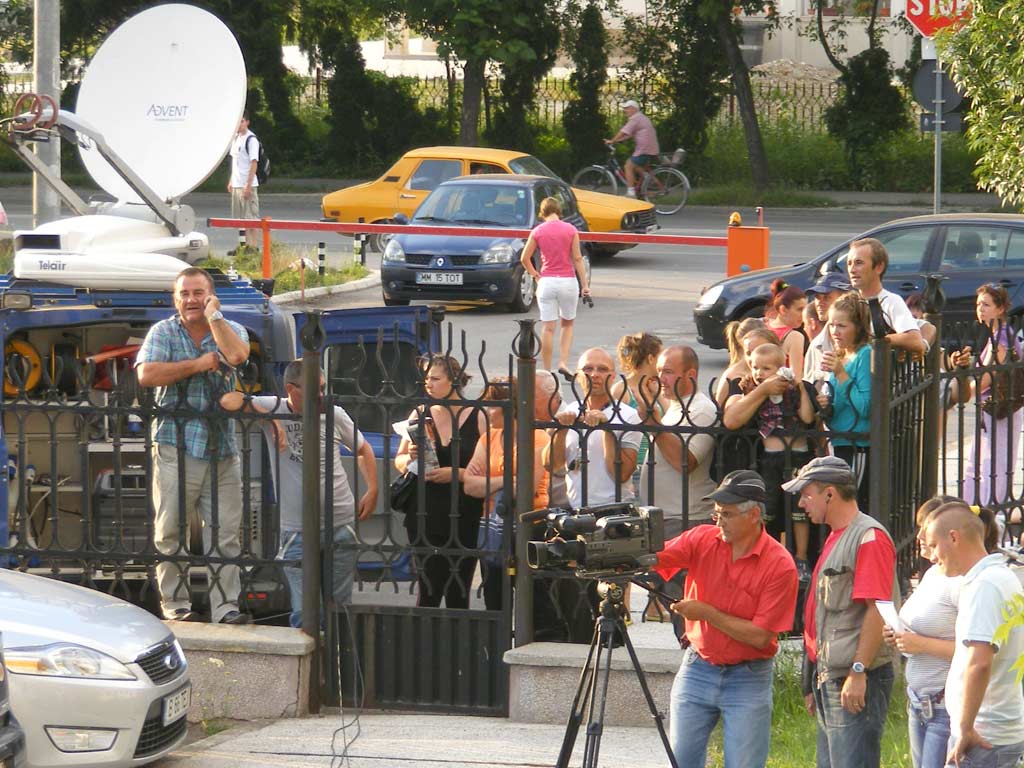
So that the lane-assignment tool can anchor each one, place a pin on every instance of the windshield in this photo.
(499, 205)
(529, 165)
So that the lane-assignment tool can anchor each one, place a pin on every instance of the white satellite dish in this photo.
(166, 90)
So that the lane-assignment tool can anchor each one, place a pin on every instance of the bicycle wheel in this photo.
(596, 178)
(667, 189)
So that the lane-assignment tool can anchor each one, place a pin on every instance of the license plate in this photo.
(439, 278)
(652, 228)
(176, 705)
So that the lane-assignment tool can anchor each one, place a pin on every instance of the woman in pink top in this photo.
(561, 264)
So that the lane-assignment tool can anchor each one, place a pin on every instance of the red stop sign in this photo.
(929, 16)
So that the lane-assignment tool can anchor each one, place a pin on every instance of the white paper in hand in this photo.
(889, 615)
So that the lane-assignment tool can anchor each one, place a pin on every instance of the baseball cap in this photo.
(831, 281)
(824, 469)
(629, 103)
(739, 486)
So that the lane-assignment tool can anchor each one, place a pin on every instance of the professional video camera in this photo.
(600, 542)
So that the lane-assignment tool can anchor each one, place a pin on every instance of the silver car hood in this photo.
(40, 611)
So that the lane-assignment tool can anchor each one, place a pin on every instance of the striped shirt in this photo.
(169, 342)
(931, 611)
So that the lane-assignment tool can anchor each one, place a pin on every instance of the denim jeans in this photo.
(929, 737)
(741, 695)
(344, 564)
(1000, 756)
(846, 740)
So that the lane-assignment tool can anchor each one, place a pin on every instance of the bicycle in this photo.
(664, 185)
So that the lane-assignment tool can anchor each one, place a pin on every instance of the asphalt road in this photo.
(652, 288)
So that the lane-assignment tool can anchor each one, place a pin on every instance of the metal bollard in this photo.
(321, 257)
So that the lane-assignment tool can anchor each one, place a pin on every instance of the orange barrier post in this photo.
(265, 226)
(746, 248)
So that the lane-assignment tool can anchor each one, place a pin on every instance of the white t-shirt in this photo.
(700, 411)
(600, 484)
(819, 345)
(985, 590)
(289, 487)
(244, 149)
(930, 611)
(896, 313)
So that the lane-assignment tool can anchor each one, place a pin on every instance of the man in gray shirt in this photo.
(284, 438)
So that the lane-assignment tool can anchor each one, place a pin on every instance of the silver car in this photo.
(94, 681)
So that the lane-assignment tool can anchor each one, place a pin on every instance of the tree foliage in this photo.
(987, 59)
(869, 107)
(585, 125)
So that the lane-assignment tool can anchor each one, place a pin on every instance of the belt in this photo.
(725, 666)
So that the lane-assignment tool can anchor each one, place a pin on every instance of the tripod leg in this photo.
(584, 692)
(658, 717)
(599, 696)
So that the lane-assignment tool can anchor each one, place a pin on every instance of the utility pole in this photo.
(46, 82)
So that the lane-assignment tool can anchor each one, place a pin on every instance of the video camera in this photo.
(600, 542)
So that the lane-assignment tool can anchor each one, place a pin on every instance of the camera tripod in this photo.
(592, 691)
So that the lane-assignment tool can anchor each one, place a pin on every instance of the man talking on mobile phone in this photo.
(195, 458)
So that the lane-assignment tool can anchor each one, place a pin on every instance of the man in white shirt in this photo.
(866, 264)
(681, 404)
(983, 696)
(599, 469)
(243, 184)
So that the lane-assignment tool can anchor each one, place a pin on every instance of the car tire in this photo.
(526, 292)
(379, 240)
(389, 302)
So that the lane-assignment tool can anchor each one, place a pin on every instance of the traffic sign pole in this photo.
(938, 103)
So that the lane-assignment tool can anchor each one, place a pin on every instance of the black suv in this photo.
(12, 740)
(968, 250)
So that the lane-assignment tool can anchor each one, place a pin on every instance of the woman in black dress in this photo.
(453, 429)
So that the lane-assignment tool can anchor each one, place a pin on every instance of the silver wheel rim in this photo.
(526, 288)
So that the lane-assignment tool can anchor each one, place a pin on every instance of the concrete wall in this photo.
(247, 672)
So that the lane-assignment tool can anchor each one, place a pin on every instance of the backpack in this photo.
(262, 162)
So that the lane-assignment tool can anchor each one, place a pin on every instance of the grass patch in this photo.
(284, 268)
(744, 195)
(215, 726)
(794, 732)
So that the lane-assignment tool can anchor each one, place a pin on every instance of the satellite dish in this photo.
(166, 90)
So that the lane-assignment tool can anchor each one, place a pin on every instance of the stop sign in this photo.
(929, 16)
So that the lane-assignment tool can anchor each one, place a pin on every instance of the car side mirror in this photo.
(400, 218)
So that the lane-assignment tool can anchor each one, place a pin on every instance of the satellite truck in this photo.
(85, 290)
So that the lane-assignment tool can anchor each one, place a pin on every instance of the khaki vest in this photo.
(838, 618)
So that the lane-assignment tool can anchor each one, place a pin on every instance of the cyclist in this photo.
(639, 128)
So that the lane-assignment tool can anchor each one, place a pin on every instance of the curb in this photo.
(292, 297)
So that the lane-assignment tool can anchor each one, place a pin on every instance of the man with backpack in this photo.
(244, 181)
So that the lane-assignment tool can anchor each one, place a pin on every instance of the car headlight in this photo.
(498, 254)
(710, 296)
(394, 251)
(630, 220)
(65, 660)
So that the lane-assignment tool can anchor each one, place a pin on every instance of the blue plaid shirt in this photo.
(169, 342)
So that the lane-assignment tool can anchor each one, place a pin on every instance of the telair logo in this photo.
(52, 266)
(167, 112)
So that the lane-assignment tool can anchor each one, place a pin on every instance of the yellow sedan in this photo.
(419, 171)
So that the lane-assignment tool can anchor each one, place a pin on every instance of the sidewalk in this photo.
(386, 740)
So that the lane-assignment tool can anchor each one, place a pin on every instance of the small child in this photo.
(780, 407)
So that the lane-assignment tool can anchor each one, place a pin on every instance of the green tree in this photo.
(987, 60)
(585, 125)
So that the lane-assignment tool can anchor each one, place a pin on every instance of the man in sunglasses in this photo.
(740, 593)
(285, 437)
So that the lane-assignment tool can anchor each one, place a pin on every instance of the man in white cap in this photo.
(849, 676)
(639, 128)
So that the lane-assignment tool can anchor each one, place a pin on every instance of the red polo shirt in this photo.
(761, 587)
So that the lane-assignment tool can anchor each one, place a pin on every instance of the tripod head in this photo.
(612, 593)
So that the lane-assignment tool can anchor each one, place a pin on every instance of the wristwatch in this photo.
(217, 315)
(858, 668)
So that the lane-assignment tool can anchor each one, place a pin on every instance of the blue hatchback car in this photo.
(451, 268)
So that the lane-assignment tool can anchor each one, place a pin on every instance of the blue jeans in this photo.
(1000, 756)
(929, 737)
(846, 740)
(741, 695)
(344, 565)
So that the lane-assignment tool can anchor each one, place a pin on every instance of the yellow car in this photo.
(419, 171)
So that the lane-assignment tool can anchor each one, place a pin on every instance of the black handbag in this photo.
(403, 491)
(1007, 388)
